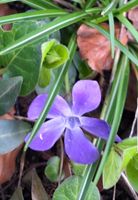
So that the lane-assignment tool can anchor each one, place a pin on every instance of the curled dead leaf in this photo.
(95, 48)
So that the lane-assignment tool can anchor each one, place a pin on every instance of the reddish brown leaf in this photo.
(133, 16)
(7, 161)
(95, 48)
(5, 10)
(7, 165)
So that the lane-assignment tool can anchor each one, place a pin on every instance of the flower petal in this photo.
(96, 127)
(58, 108)
(79, 148)
(48, 134)
(86, 96)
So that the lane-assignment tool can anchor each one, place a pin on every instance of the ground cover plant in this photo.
(68, 108)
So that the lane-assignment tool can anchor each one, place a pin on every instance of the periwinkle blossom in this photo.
(86, 96)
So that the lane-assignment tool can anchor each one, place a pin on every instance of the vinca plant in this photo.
(75, 59)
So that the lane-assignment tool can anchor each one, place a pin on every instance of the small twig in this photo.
(114, 192)
(61, 160)
(134, 123)
(21, 168)
(132, 191)
(23, 118)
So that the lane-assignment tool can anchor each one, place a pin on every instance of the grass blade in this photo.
(31, 15)
(49, 28)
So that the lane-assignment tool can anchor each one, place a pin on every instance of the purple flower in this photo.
(86, 96)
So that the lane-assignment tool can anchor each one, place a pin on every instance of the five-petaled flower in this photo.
(86, 96)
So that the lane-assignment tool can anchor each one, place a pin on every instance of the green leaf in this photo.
(44, 77)
(69, 189)
(25, 61)
(78, 169)
(132, 172)
(112, 169)
(129, 149)
(12, 134)
(38, 191)
(17, 195)
(52, 168)
(9, 90)
(54, 54)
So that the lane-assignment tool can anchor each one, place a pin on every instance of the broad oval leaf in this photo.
(112, 169)
(69, 190)
(9, 91)
(132, 172)
(12, 133)
(25, 61)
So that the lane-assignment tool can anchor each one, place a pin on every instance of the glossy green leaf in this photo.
(129, 149)
(132, 172)
(9, 91)
(12, 134)
(52, 168)
(38, 191)
(112, 169)
(23, 62)
(70, 187)
(18, 194)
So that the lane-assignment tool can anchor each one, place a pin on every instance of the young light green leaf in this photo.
(52, 168)
(54, 54)
(132, 172)
(17, 195)
(112, 169)
(12, 134)
(38, 191)
(70, 187)
(129, 149)
(9, 91)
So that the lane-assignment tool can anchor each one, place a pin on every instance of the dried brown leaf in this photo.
(5, 10)
(7, 165)
(133, 16)
(95, 48)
